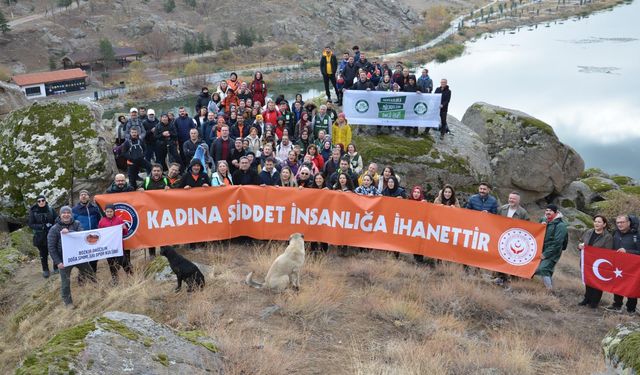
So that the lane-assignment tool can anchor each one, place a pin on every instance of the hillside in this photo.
(307, 24)
(367, 313)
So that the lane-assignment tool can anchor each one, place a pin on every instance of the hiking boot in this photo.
(631, 312)
(584, 302)
(45, 274)
(614, 308)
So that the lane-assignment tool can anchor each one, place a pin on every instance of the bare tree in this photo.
(157, 45)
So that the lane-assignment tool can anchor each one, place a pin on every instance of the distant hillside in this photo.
(307, 24)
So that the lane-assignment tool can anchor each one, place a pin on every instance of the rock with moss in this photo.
(11, 98)
(54, 149)
(123, 343)
(22, 240)
(576, 195)
(600, 184)
(525, 152)
(15, 248)
(422, 160)
(621, 349)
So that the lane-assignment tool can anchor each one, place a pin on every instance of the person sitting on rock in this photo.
(65, 224)
(483, 201)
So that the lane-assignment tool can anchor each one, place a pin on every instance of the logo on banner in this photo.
(420, 108)
(517, 247)
(130, 217)
(92, 238)
(362, 106)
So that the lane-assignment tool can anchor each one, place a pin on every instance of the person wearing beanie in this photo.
(554, 242)
(41, 219)
(65, 224)
(111, 220)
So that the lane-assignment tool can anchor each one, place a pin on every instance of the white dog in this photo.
(285, 269)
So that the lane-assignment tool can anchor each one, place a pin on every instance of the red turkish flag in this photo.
(611, 271)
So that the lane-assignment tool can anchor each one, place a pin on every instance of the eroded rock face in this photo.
(123, 343)
(52, 149)
(11, 98)
(525, 153)
(427, 161)
(621, 348)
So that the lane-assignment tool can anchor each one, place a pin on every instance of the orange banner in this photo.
(484, 240)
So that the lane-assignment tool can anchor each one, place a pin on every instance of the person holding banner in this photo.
(65, 224)
(596, 237)
(483, 201)
(625, 240)
(553, 244)
(111, 220)
(88, 214)
(194, 176)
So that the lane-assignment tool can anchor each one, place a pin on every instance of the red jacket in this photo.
(318, 161)
(105, 222)
(259, 90)
(271, 117)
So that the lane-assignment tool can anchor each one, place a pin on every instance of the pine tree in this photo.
(106, 52)
(224, 42)
(4, 24)
(188, 48)
(169, 6)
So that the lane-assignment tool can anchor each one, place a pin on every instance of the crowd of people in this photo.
(240, 136)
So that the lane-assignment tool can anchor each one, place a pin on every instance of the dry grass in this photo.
(364, 314)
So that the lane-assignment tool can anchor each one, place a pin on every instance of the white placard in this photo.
(392, 108)
(88, 245)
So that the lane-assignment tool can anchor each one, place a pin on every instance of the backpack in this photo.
(635, 222)
(136, 151)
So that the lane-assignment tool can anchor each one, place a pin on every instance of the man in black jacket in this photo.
(328, 68)
(119, 185)
(245, 175)
(194, 176)
(134, 150)
(203, 99)
(444, 106)
(625, 240)
(41, 218)
(149, 125)
(166, 142)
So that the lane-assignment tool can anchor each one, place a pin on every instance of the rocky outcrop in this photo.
(52, 149)
(461, 161)
(15, 249)
(525, 153)
(621, 349)
(123, 343)
(11, 98)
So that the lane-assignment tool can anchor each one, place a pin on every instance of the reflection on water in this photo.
(581, 77)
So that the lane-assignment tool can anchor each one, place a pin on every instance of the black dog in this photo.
(183, 268)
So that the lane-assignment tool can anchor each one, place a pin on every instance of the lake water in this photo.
(582, 76)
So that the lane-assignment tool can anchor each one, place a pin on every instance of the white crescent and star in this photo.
(596, 270)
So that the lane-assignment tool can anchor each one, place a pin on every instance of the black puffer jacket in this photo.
(40, 220)
(55, 241)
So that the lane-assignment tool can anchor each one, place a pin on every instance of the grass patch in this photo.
(622, 180)
(162, 358)
(117, 327)
(593, 172)
(54, 356)
(631, 189)
(448, 51)
(586, 219)
(156, 265)
(199, 338)
(567, 203)
(391, 149)
(598, 184)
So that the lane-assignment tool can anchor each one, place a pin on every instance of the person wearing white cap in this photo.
(149, 126)
(134, 120)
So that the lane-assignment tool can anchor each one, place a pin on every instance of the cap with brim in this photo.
(133, 109)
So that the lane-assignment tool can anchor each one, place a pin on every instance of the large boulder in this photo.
(53, 149)
(123, 343)
(11, 98)
(525, 153)
(621, 349)
(460, 160)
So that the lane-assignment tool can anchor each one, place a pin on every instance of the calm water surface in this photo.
(582, 76)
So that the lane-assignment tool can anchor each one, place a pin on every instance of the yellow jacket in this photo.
(341, 134)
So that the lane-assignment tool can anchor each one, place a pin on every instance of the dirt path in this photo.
(23, 20)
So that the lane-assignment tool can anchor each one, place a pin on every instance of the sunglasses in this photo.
(41, 200)
(304, 174)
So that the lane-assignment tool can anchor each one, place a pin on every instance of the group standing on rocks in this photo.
(241, 136)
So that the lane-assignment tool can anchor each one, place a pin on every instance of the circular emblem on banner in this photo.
(420, 108)
(130, 217)
(517, 247)
(92, 238)
(362, 106)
